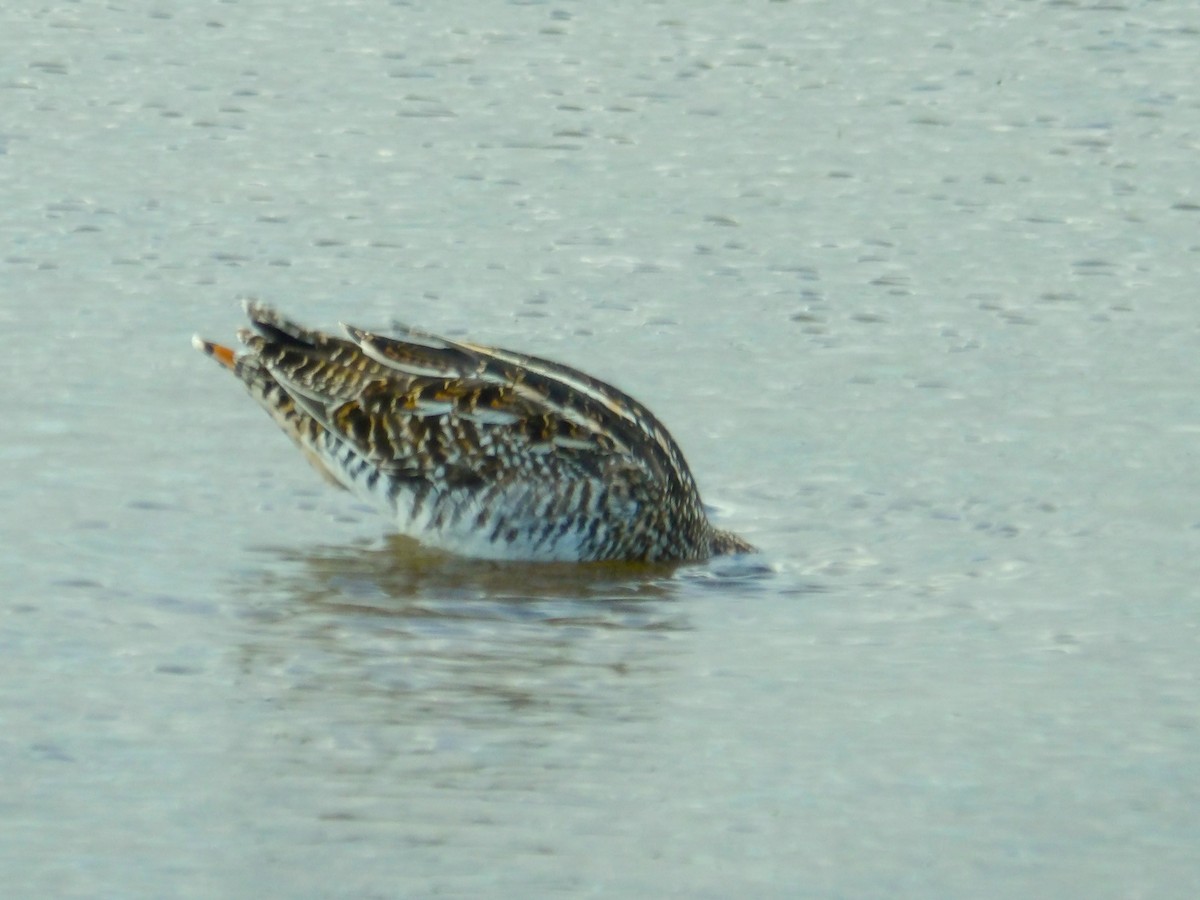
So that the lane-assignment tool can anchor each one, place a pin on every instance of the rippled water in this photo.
(914, 287)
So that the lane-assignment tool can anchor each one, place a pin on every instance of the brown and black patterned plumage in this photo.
(478, 450)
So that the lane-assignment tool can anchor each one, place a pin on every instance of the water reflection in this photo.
(400, 578)
(438, 635)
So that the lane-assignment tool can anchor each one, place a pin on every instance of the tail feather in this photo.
(222, 354)
(295, 422)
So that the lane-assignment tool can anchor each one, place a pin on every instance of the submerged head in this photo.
(723, 543)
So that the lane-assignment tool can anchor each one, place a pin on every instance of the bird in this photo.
(479, 451)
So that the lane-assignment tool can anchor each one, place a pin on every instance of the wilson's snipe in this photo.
(478, 450)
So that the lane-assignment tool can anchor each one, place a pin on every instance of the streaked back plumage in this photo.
(478, 450)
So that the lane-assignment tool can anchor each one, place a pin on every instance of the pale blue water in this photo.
(914, 287)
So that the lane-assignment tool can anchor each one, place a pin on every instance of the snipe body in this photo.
(477, 450)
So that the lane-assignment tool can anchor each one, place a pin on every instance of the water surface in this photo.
(912, 286)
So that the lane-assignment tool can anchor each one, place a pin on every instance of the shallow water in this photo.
(914, 289)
